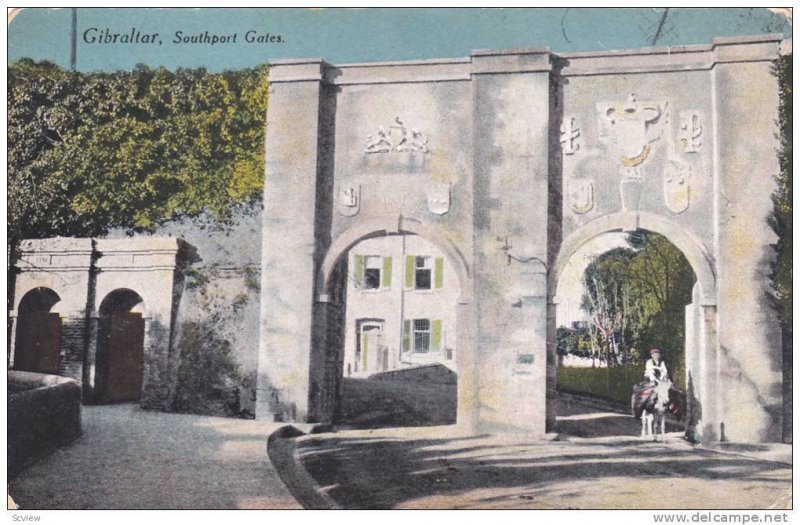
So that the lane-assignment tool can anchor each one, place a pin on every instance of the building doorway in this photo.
(120, 348)
(37, 345)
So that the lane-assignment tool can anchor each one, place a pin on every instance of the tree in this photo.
(132, 149)
(781, 222)
(635, 298)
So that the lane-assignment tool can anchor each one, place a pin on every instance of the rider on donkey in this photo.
(655, 370)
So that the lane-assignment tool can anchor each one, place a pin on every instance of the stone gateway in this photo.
(509, 161)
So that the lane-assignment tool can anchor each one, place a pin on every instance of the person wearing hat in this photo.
(655, 369)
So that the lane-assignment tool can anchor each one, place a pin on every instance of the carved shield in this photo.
(631, 127)
(348, 200)
(582, 196)
(676, 187)
(439, 198)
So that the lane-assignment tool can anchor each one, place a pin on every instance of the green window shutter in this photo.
(359, 272)
(438, 278)
(386, 278)
(436, 335)
(407, 336)
(411, 265)
(363, 352)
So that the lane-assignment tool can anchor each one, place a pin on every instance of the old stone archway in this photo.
(701, 360)
(38, 333)
(516, 158)
(119, 366)
(78, 286)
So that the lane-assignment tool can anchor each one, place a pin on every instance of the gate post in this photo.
(511, 96)
(289, 241)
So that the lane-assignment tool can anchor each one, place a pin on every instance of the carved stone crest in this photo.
(676, 186)
(439, 198)
(690, 131)
(570, 133)
(630, 128)
(349, 200)
(397, 138)
(581, 196)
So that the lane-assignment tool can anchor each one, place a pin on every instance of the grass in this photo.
(612, 383)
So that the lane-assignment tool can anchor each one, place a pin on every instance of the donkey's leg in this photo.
(663, 426)
(655, 426)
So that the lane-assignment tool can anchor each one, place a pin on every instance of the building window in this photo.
(422, 336)
(422, 273)
(372, 272)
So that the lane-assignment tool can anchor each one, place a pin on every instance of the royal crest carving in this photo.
(677, 177)
(349, 200)
(570, 133)
(630, 128)
(690, 131)
(397, 138)
(439, 198)
(581, 196)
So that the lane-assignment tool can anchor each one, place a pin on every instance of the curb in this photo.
(283, 453)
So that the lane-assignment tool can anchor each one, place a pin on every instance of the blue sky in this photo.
(354, 35)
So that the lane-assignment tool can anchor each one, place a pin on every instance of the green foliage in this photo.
(132, 149)
(612, 383)
(576, 340)
(781, 220)
(209, 381)
(636, 300)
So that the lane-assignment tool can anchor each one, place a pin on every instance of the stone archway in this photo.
(37, 345)
(701, 344)
(120, 347)
(331, 311)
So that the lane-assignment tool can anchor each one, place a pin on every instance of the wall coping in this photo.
(694, 57)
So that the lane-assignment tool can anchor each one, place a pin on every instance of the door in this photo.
(125, 357)
(38, 342)
(370, 343)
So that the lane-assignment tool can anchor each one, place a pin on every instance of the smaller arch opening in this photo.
(37, 346)
(393, 323)
(619, 295)
(119, 367)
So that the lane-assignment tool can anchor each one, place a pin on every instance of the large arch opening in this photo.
(37, 345)
(393, 316)
(119, 368)
(618, 294)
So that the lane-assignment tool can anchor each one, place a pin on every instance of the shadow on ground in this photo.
(381, 403)
(363, 472)
(598, 462)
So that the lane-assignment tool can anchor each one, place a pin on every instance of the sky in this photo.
(344, 35)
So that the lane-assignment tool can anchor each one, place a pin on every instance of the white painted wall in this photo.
(396, 303)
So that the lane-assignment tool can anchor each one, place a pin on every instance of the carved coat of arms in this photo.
(581, 196)
(348, 200)
(676, 186)
(630, 128)
(439, 198)
(397, 138)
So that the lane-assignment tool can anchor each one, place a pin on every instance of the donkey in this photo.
(655, 410)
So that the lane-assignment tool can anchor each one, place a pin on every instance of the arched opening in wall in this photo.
(37, 345)
(620, 295)
(398, 333)
(120, 348)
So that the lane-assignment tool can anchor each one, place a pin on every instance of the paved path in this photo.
(130, 458)
(609, 468)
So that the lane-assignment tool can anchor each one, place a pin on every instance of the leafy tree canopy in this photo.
(781, 219)
(93, 151)
(635, 298)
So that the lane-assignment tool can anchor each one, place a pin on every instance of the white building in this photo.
(401, 296)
